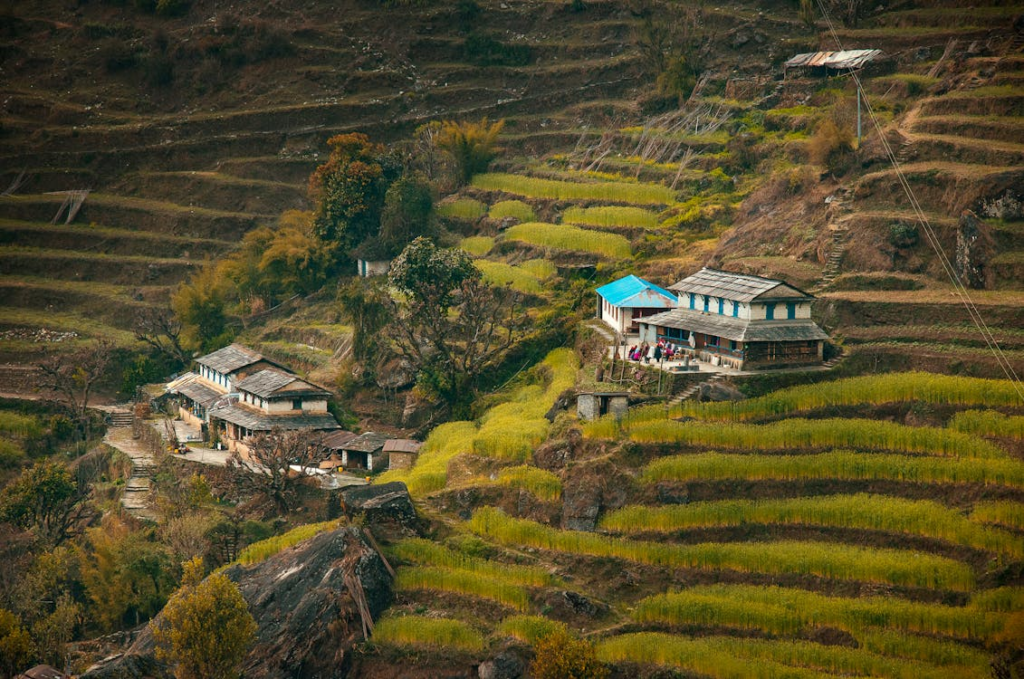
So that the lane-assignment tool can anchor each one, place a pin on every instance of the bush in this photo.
(562, 656)
(831, 147)
(903, 235)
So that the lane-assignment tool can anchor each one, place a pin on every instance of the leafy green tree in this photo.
(199, 304)
(17, 650)
(408, 213)
(471, 145)
(349, 189)
(448, 323)
(363, 304)
(206, 627)
(560, 655)
(46, 499)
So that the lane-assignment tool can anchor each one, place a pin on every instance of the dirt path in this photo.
(137, 498)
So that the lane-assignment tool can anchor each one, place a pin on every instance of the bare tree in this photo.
(277, 463)
(73, 377)
(161, 329)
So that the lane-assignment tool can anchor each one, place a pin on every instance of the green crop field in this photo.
(611, 192)
(564, 237)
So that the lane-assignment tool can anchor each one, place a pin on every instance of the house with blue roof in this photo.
(622, 303)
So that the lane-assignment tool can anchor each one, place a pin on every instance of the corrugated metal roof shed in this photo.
(229, 359)
(843, 60)
(370, 442)
(402, 446)
(737, 287)
(636, 293)
(336, 439)
(738, 329)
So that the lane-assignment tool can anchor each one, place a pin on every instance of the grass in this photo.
(861, 511)
(543, 484)
(562, 237)
(835, 465)
(612, 217)
(868, 389)
(529, 628)
(516, 209)
(825, 560)
(468, 209)
(500, 274)
(260, 551)
(67, 321)
(808, 434)
(988, 423)
(552, 189)
(415, 630)
(19, 425)
(789, 611)
(726, 657)
(463, 582)
(478, 246)
(429, 553)
(539, 268)
(1006, 513)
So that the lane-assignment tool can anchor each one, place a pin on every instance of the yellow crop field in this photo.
(429, 553)
(529, 628)
(264, 549)
(462, 582)
(989, 423)
(611, 216)
(462, 208)
(415, 630)
(1005, 513)
(500, 273)
(478, 246)
(565, 237)
(611, 192)
(516, 209)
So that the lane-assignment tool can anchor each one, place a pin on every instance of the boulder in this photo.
(307, 616)
(505, 665)
(714, 391)
(972, 249)
(386, 503)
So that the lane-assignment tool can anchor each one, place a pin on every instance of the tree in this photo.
(449, 324)
(348, 190)
(206, 627)
(72, 377)
(199, 305)
(559, 655)
(17, 650)
(161, 330)
(47, 499)
(408, 213)
(471, 145)
(364, 305)
(277, 463)
(673, 48)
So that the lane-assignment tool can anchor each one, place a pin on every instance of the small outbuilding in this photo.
(591, 405)
(42, 672)
(830, 63)
(622, 303)
(372, 267)
(402, 453)
(365, 451)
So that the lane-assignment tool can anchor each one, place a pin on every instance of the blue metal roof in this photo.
(636, 293)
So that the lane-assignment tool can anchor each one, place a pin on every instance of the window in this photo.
(769, 311)
(790, 310)
(721, 305)
(693, 301)
(735, 309)
(296, 404)
(732, 344)
(712, 341)
(707, 302)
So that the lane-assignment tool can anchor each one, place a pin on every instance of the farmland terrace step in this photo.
(549, 76)
(940, 187)
(216, 191)
(141, 214)
(963, 149)
(995, 16)
(66, 265)
(1003, 129)
(273, 168)
(84, 325)
(933, 357)
(970, 103)
(44, 292)
(999, 308)
(892, 40)
(85, 238)
(963, 335)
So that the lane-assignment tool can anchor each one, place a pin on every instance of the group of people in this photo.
(653, 352)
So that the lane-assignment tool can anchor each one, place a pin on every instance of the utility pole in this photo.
(858, 113)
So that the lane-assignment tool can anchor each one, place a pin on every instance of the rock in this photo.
(505, 665)
(397, 373)
(972, 246)
(713, 391)
(556, 454)
(417, 411)
(384, 503)
(588, 489)
(307, 618)
(564, 401)
(740, 38)
(581, 605)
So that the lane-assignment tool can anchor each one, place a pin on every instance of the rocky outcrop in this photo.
(383, 504)
(588, 489)
(306, 602)
(972, 248)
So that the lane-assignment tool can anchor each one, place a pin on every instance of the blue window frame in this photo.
(735, 309)
(791, 310)
(693, 301)
(707, 302)
(769, 311)
(721, 305)
(732, 344)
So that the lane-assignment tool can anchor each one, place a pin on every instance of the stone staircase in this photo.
(691, 390)
(120, 418)
(136, 499)
(834, 263)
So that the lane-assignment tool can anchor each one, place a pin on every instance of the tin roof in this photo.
(259, 421)
(230, 358)
(370, 442)
(738, 287)
(402, 446)
(846, 59)
(738, 329)
(336, 439)
(636, 293)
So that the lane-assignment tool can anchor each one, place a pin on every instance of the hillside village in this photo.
(512, 339)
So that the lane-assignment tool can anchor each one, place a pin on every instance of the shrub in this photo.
(903, 235)
(559, 655)
(830, 146)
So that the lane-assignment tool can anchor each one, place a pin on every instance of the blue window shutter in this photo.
(707, 301)
(769, 311)
(693, 301)
(721, 305)
(791, 310)
(735, 309)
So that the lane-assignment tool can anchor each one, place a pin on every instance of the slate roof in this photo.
(402, 446)
(196, 388)
(738, 329)
(635, 293)
(336, 439)
(738, 287)
(370, 442)
(259, 421)
(836, 60)
(230, 358)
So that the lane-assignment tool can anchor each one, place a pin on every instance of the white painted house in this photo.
(622, 303)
